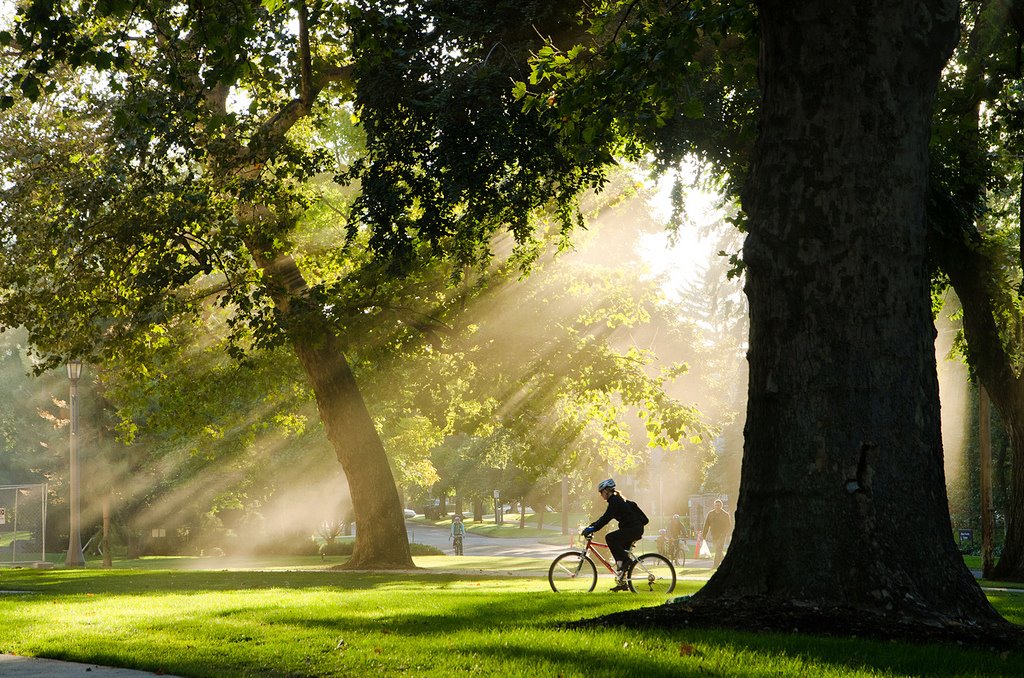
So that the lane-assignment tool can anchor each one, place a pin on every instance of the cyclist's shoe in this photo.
(620, 582)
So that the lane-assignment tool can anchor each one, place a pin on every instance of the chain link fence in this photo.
(22, 523)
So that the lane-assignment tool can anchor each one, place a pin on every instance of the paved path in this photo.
(527, 547)
(31, 667)
(475, 545)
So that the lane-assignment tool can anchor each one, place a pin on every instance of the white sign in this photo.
(3, 516)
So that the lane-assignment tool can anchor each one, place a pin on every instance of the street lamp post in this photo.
(74, 557)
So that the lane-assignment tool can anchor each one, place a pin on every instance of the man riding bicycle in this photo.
(457, 532)
(631, 528)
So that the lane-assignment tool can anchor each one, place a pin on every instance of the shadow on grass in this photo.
(197, 581)
(498, 626)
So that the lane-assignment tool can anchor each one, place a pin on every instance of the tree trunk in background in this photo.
(987, 512)
(565, 504)
(969, 272)
(107, 558)
(1011, 562)
(843, 452)
(381, 540)
(957, 245)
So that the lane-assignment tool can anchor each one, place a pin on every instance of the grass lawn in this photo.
(496, 617)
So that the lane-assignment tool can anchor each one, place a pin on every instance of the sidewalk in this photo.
(12, 666)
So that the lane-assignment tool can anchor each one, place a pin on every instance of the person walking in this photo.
(631, 528)
(717, 527)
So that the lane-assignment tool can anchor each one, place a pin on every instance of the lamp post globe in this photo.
(75, 558)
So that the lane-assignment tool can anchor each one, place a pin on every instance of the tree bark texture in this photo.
(842, 500)
(381, 540)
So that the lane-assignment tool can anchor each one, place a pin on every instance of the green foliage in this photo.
(451, 158)
(674, 82)
(32, 430)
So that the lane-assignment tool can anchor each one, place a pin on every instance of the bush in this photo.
(425, 550)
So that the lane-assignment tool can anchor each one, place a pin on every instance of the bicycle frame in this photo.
(591, 548)
(644, 573)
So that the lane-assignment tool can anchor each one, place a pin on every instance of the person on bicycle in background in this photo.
(677, 536)
(631, 528)
(664, 545)
(457, 532)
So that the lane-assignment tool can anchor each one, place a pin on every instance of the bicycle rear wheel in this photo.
(572, 571)
(652, 573)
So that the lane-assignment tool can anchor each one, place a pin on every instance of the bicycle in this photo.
(673, 549)
(457, 543)
(576, 571)
(679, 557)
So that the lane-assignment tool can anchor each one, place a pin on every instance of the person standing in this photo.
(717, 527)
(631, 528)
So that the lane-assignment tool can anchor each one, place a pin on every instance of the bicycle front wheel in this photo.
(652, 573)
(572, 571)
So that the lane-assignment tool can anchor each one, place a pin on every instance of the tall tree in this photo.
(975, 219)
(842, 452)
(177, 186)
(842, 428)
(185, 171)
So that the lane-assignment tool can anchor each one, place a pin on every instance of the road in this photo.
(528, 547)
(475, 545)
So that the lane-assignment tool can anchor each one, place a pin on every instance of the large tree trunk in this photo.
(842, 508)
(381, 540)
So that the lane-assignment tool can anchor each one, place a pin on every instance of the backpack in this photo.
(641, 517)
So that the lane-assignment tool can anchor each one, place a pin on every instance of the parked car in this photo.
(431, 509)
(409, 513)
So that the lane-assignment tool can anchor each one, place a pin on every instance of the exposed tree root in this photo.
(815, 620)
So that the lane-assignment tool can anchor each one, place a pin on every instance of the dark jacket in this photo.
(618, 510)
(717, 525)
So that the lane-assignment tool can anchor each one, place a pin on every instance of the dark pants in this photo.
(621, 539)
(719, 545)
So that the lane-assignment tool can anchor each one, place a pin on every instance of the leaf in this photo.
(30, 87)
(694, 109)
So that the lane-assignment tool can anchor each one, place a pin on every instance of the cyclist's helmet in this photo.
(606, 485)
(457, 517)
